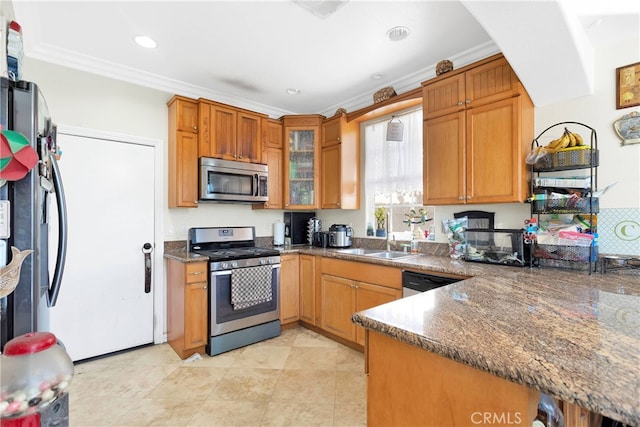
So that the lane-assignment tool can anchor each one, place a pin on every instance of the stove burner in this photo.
(237, 253)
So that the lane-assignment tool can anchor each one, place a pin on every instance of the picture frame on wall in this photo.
(628, 86)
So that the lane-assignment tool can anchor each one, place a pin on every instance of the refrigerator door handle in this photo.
(63, 229)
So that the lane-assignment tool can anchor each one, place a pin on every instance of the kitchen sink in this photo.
(389, 254)
(358, 251)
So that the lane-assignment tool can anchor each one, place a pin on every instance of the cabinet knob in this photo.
(204, 287)
(459, 103)
(468, 197)
(467, 101)
(338, 204)
(195, 128)
(460, 198)
(338, 138)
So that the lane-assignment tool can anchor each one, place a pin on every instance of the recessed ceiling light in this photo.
(398, 33)
(145, 41)
(377, 76)
(292, 91)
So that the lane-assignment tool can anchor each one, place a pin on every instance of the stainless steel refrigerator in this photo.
(28, 202)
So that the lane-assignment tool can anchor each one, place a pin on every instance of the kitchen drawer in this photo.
(196, 272)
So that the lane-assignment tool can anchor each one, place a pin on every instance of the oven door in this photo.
(224, 318)
(228, 181)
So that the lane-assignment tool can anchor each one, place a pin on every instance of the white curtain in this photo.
(393, 169)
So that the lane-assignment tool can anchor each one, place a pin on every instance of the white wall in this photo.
(85, 100)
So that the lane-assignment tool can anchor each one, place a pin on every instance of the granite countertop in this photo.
(569, 334)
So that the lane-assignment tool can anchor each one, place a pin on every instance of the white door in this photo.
(109, 187)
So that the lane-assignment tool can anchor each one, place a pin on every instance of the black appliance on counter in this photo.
(415, 283)
(296, 226)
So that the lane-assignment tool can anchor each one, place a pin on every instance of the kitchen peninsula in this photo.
(573, 336)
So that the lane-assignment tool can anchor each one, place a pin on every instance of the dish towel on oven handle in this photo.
(250, 286)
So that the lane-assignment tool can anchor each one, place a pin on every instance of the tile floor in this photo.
(297, 379)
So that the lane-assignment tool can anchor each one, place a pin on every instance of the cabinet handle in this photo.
(467, 101)
(196, 272)
(459, 103)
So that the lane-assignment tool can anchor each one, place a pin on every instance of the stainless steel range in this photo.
(244, 286)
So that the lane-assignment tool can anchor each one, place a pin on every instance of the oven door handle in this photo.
(256, 183)
(228, 272)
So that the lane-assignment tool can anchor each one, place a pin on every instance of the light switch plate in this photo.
(5, 219)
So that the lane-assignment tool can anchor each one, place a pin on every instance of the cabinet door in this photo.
(445, 96)
(331, 166)
(331, 131)
(248, 144)
(338, 303)
(274, 163)
(289, 289)
(218, 131)
(443, 160)
(490, 82)
(495, 166)
(308, 289)
(301, 157)
(196, 315)
(187, 119)
(183, 171)
(274, 133)
(369, 295)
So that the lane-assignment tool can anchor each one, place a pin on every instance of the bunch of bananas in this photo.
(568, 139)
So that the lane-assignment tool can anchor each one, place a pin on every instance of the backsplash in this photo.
(619, 231)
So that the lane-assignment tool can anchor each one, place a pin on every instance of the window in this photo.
(393, 170)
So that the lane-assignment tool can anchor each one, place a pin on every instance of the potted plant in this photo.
(381, 215)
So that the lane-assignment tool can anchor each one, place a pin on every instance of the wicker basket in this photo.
(568, 158)
(384, 94)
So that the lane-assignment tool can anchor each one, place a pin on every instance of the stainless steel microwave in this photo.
(229, 181)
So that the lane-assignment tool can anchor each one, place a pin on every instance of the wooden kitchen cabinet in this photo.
(302, 161)
(308, 289)
(474, 149)
(183, 152)
(340, 164)
(289, 288)
(187, 306)
(229, 133)
(272, 156)
(347, 287)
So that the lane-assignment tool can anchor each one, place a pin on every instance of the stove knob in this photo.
(225, 265)
(234, 264)
(263, 261)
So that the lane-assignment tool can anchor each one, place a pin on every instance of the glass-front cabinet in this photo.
(302, 153)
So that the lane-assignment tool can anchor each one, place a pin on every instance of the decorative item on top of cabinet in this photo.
(187, 306)
(571, 234)
(340, 164)
(477, 128)
(229, 133)
(301, 161)
(272, 156)
(183, 152)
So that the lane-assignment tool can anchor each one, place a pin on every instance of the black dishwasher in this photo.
(415, 283)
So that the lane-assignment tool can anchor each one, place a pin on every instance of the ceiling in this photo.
(248, 53)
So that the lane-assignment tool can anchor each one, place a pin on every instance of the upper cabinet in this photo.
(301, 161)
(340, 164)
(229, 133)
(272, 156)
(183, 152)
(477, 130)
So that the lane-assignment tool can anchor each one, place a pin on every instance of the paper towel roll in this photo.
(278, 233)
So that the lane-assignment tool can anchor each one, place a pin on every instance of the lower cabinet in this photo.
(308, 289)
(289, 288)
(347, 287)
(187, 306)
